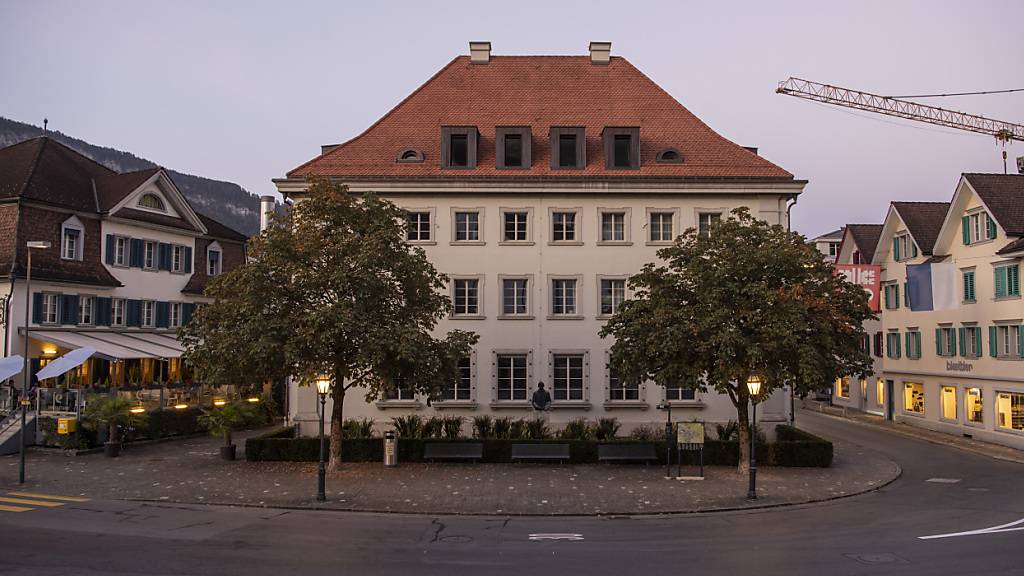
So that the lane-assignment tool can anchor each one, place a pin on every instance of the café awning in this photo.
(114, 344)
(11, 367)
(65, 363)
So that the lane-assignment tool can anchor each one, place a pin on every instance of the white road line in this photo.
(1008, 527)
(556, 536)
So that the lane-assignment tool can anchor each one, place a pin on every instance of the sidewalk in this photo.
(968, 444)
(189, 471)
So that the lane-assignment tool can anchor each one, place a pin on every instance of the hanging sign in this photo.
(868, 277)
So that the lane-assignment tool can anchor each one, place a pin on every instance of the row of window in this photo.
(1006, 278)
(516, 227)
(49, 308)
(467, 296)
(976, 227)
(1005, 340)
(1009, 405)
(512, 376)
(513, 148)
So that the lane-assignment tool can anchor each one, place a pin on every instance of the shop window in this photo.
(843, 387)
(973, 405)
(913, 397)
(1010, 411)
(880, 392)
(948, 399)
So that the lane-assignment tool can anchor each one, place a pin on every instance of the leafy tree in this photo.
(749, 298)
(330, 288)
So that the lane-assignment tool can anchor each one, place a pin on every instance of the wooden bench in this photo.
(558, 452)
(453, 451)
(626, 453)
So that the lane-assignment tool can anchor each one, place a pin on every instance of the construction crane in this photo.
(1004, 132)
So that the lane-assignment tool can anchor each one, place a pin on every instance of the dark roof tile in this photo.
(924, 220)
(1003, 194)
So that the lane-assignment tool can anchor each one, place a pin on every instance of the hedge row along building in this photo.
(951, 337)
(128, 261)
(539, 184)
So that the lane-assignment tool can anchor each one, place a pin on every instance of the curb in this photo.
(609, 515)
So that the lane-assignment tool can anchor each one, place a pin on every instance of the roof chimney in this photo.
(479, 52)
(267, 207)
(600, 52)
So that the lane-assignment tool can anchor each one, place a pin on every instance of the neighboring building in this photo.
(539, 184)
(828, 244)
(128, 260)
(954, 344)
(868, 394)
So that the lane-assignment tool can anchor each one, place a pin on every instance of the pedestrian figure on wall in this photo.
(541, 399)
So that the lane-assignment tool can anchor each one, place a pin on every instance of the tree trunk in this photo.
(227, 437)
(338, 398)
(112, 432)
(742, 411)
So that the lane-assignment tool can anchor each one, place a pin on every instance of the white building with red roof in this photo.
(539, 184)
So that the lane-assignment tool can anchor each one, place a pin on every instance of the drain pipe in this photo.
(789, 228)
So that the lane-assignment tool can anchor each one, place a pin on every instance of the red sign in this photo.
(868, 277)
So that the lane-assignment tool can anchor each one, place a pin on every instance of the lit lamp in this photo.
(219, 402)
(754, 389)
(253, 399)
(323, 386)
(137, 409)
(31, 245)
(181, 406)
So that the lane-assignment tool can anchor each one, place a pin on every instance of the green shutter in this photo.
(938, 341)
(962, 337)
(969, 286)
(1013, 280)
(909, 337)
(110, 249)
(37, 308)
(1020, 340)
(993, 349)
(991, 227)
(906, 295)
(917, 344)
(913, 248)
(1001, 281)
(977, 340)
(899, 347)
(966, 225)
(896, 297)
(896, 248)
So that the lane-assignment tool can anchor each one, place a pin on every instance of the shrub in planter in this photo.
(222, 420)
(163, 423)
(113, 412)
(357, 428)
(81, 439)
(483, 427)
(647, 433)
(451, 427)
(410, 426)
(503, 428)
(535, 429)
(577, 429)
(432, 428)
(606, 429)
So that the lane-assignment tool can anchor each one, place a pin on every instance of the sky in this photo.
(246, 90)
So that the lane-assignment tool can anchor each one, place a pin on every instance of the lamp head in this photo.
(323, 384)
(754, 385)
(37, 244)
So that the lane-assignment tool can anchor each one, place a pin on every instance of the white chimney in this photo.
(600, 52)
(267, 207)
(479, 52)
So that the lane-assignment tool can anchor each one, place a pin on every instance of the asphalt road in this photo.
(875, 533)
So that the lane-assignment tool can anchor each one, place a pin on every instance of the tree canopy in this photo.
(747, 298)
(330, 288)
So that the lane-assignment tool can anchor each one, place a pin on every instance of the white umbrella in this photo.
(10, 367)
(69, 361)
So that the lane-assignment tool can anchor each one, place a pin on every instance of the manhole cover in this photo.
(882, 558)
(456, 539)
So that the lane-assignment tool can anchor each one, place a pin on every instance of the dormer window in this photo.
(152, 202)
(213, 259)
(568, 148)
(669, 156)
(622, 148)
(513, 146)
(458, 147)
(978, 227)
(410, 155)
(903, 247)
(72, 238)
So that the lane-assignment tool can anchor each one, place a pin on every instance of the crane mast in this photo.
(1002, 131)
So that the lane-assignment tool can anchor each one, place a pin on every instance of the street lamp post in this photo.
(754, 388)
(28, 377)
(323, 386)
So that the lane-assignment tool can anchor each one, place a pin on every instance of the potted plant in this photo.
(220, 421)
(113, 412)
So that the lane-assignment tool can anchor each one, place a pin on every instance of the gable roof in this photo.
(540, 92)
(47, 171)
(1003, 195)
(924, 221)
(220, 231)
(833, 235)
(864, 236)
(110, 190)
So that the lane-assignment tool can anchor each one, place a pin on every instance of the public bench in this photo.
(453, 451)
(559, 452)
(626, 453)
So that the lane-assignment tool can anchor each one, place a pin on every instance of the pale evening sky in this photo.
(244, 90)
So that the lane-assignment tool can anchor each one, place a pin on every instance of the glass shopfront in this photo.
(948, 402)
(843, 387)
(913, 397)
(973, 405)
(880, 392)
(1010, 410)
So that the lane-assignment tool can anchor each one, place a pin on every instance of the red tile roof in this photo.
(540, 92)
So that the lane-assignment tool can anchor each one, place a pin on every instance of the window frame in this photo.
(124, 244)
(528, 308)
(610, 388)
(601, 279)
(114, 322)
(996, 424)
(702, 212)
(947, 341)
(1006, 266)
(214, 248)
(177, 253)
(626, 214)
(431, 225)
(526, 136)
(81, 315)
(453, 279)
(610, 135)
(1007, 336)
(472, 138)
(50, 303)
(146, 245)
(943, 388)
(479, 211)
(554, 140)
(907, 409)
(75, 225)
(152, 314)
(161, 207)
(967, 395)
(648, 225)
(979, 223)
(973, 275)
(470, 390)
(584, 384)
(577, 284)
(171, 307)
(528, 241)
(497, 356)
(577, 239)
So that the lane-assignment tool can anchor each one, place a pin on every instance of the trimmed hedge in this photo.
(795, 448)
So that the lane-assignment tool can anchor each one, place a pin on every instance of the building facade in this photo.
(953, 332)
(539, 185)
(127, 261)
(828, 244)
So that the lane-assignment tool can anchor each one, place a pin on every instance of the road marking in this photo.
(13, 508)
(42, 503)
(556, 536)
(943, 480)
(48, 496)
(1009, 527)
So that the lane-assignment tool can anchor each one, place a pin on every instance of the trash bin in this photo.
(390, 448)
